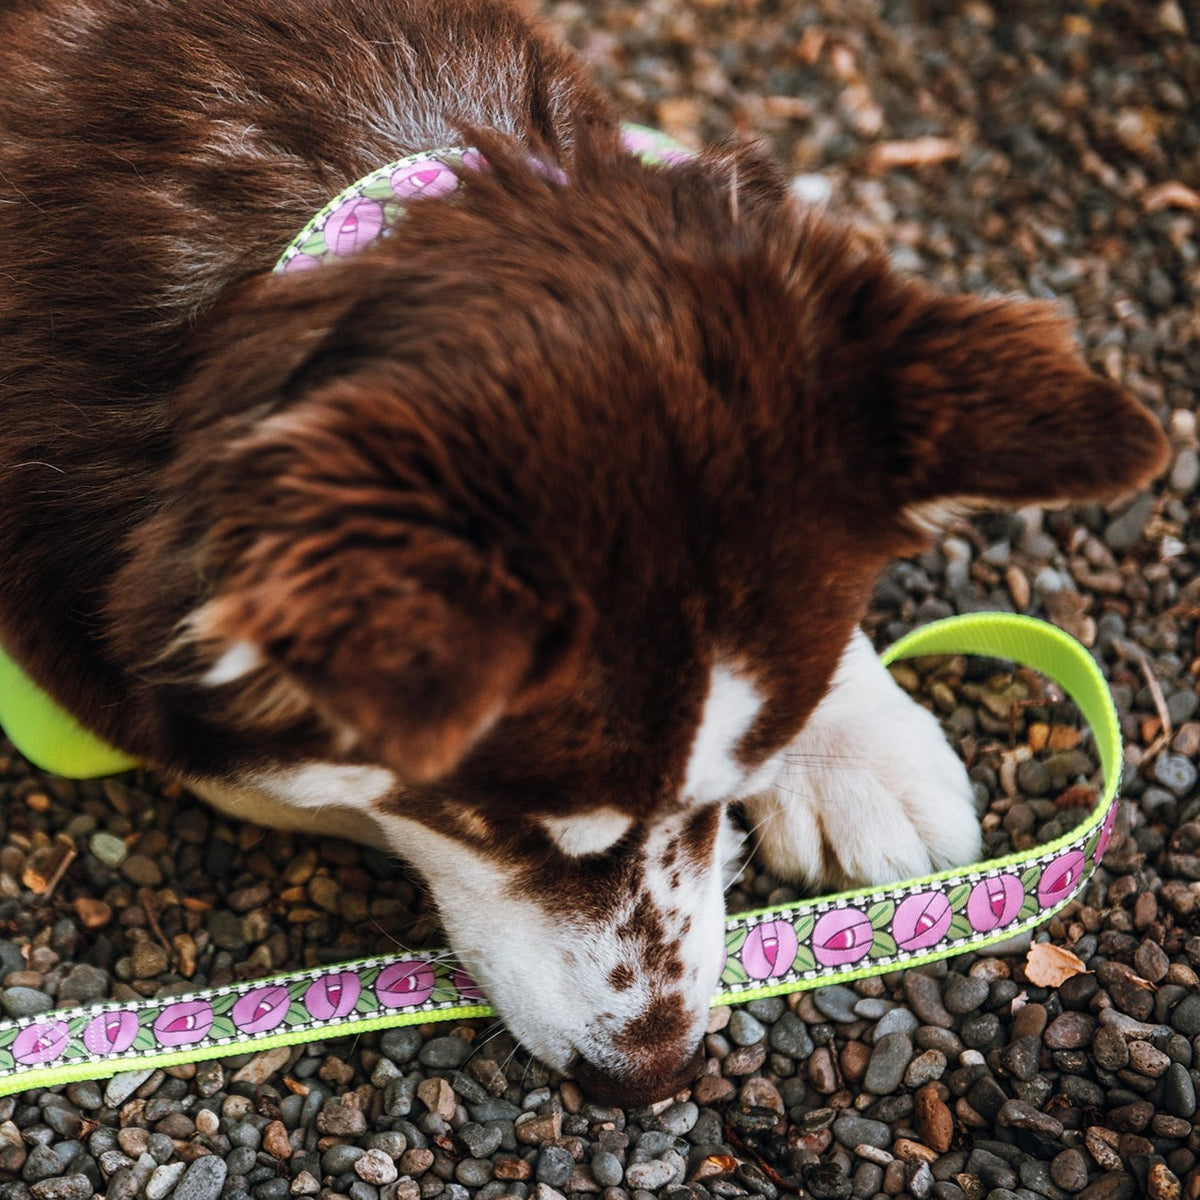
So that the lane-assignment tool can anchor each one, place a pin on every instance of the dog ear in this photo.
(350, 572)
(974, 402)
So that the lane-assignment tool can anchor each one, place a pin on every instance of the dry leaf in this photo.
(714, 1165)
(918, 152)
(1170, 195)
(1048, 966)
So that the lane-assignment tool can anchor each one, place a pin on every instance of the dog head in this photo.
(556, 509)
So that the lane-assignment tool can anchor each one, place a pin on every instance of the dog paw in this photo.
(870, 792)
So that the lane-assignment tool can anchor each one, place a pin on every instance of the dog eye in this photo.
(587, 833)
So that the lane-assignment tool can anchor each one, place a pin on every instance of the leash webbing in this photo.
(830, 939)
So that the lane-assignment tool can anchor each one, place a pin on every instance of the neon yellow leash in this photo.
(826, 940)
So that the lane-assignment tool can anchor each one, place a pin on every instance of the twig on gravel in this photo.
(69, 856)
(1131, 650)
(150, 908)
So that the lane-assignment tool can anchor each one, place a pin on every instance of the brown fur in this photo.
(492, 497)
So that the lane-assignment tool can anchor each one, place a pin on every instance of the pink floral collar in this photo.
(369, 209)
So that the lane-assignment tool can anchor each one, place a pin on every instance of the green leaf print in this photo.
(880, 915)
(734, 974)
(883, 945)
(736, 940)
(960, 927)
(222, 1027)
(804, 960)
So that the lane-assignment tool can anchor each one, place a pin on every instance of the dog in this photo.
(523, 542)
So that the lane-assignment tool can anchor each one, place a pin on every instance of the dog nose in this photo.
(654, 1078)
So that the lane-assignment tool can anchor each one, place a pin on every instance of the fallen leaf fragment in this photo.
(1172, 194)
(714, 1165)
(1049, 966)
(916, 152)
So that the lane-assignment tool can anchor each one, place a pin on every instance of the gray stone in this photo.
(493, 1109)
(992, 1169)
(444, 1053)
(607, 1170)
(1179, 1092)
(837, 1002)
(108, 848)
(873, 1007)
(163, 1179)
(679, 1118)
(925, 997)
(927, 1067)
(64, 1187)
(652, 1174)
(789, 1036)
(744, 1029)
(1185, 470)
(41, 1163)
(376, 1168)
(1176, 773)
(964, 993)
(860, 1131)
(84, 983)
(768, 1010)
(473, 1172)
(1017, 1114)
(1185, 1016)
(554, 1166)
(24, 1001)
(888, 1062)
(481, 1141)
(202, 1180)
(142, 871)
(1125, 531)
(897, 1020)
(337, 1160)
(401, 1045)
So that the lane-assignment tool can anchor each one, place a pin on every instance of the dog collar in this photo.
(370, 209)
(44, 732)
(831, 939)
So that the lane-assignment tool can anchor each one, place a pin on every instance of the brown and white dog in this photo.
(521, 543)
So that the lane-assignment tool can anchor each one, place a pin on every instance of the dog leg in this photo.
(870, 791)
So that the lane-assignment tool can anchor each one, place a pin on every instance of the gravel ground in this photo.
(1052, 150)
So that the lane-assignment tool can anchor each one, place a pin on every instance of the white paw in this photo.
(870, 792)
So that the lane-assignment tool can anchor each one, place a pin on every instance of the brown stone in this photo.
(539, 1128)
(1100, 1145)
(416, 1161)
(935, 1122)
(1162, 1183)
(909, 1151)
(1029, 1021)
(712, 1089)
(855, 1056)
(745, 1060)
(438, 1096)
(275, 1141)
(93, 914)
(822, 1073)
(511, 1169)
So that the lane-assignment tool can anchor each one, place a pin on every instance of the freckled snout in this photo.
(657, 1052)
(658, 1074)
